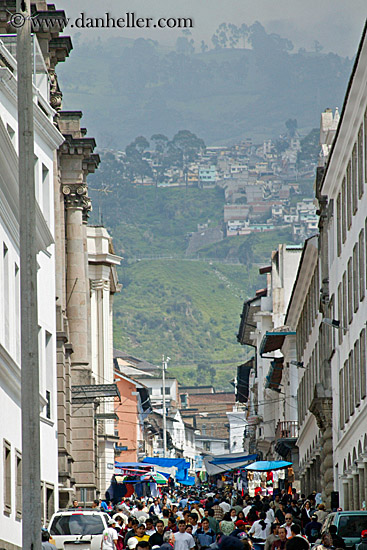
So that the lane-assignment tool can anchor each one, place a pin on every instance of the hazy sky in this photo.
(336, 24)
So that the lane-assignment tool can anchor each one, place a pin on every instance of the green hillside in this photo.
(188, 310)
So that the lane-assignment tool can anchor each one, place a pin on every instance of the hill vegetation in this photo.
(187, 308)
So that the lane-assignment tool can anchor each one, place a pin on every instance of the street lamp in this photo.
(333, 323)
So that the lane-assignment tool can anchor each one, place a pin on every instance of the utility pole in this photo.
(164, 407)
(164, 367)
(30, 398)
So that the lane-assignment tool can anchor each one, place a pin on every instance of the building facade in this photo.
(47, 140)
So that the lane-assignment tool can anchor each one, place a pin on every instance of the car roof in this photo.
(80, 512)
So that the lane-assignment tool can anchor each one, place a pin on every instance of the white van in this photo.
(78, 529)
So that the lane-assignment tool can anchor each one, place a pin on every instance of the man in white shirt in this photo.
(226, 507)
(183, 540)
(109, 537)
(288, 524)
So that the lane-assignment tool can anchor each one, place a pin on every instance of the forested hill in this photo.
(246, 85)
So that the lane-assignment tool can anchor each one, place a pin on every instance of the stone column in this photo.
(77, 291)
(365, 478)
(355, 485)
(350, 491)
(345, 494)
(361, 483)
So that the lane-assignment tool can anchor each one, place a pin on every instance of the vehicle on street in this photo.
(78, 529)
(349, 524)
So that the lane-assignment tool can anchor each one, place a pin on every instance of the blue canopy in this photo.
(189, 481)
(267, 465)
(181, 464)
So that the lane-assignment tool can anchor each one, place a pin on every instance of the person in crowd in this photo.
(306, 513)
(182, 540)
(140, 533)
(281, 542)
(275, 503)
(297, 543)
(218, 512)
(149, 527)
(240, 529)
(288, 523)
(132, 543)
(172, 525)
(193, 519)
(296, 532)
(279, 514)
(274, 535)
(143, 545)
(336, 540)
(252, 516)
(155, 509)
(363, 544)
(198, 510)
(326, 542)
(233, 515)
(260, 531)
(46, 545)
(321, 513)
(110, 536)
(165, 514)
(269, 512)
(214, 523)
(131, 532)
(226, 507)
(226, 525)
(313, 529)
(156, 539)
(186, 516)
(205, 535)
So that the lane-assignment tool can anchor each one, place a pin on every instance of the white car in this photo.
(78, 529)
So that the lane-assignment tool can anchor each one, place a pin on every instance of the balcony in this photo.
(287, 430)
(286, 435)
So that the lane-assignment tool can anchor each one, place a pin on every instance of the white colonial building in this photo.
(47, 140)
(272, 414)
(102, 274)
(343, 184)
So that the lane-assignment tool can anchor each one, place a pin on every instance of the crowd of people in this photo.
(199, 520)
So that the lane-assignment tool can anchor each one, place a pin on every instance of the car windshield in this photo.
(77, 524)
(352, 526)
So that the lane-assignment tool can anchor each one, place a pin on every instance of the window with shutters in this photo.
(362, 362)
(349, 195)
(339, 224)
(7, 477)
(18, 485)
(357, 374)
(340, 311)
(351, 382)
(361, 266)
(341, 399)
(360, 162)
(344, 210)
(350, 291)
(345, 301)
(346, 393)
(355, 278)
(354, 179)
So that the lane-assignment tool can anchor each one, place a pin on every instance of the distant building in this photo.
(207, 176)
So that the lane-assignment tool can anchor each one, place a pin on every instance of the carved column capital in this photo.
(76, 196)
